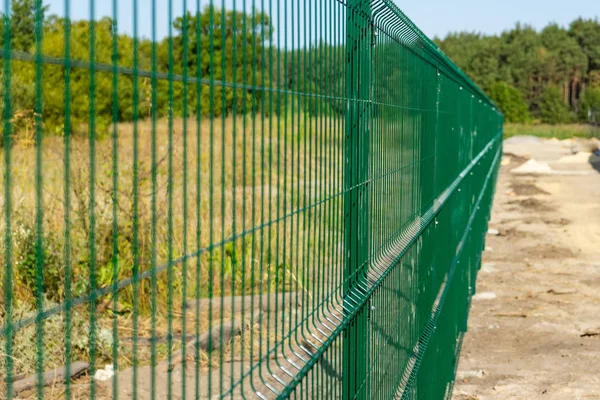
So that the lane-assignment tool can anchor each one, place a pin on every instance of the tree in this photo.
(22, 22)
(587, 34)
(553, 108)
(530, 61)
(510, 100)
(244, 66)
(235, 55)
(53, 89)
(521, 60)
(477, 55)
(564, 58)
(23, 18)
(564, 62)
(590, 103)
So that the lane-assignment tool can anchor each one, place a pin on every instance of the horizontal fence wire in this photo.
(236, 199)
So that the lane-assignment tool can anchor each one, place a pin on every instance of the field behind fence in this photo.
(255, 199)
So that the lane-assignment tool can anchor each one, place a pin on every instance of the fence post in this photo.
(356, 198)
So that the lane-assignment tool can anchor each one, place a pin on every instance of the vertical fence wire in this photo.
(236, 199)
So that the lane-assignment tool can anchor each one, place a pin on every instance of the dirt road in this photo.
(534, 326)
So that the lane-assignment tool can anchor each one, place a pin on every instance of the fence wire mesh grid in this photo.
(236, 199)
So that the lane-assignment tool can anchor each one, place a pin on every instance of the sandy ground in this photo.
(534, 325)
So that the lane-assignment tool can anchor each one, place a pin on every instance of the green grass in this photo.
(563, 131)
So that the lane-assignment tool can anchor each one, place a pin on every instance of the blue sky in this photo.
(434, 17)
(438, 17)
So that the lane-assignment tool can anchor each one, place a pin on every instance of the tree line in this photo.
(182, 75)
(552, 75)
(220, 62)
(217, 62)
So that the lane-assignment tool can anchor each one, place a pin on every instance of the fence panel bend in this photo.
(236, 199)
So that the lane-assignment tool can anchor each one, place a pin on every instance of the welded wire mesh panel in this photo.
(236, 199)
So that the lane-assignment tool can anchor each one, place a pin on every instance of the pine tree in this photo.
(22, 23)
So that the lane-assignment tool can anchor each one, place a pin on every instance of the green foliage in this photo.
(238, 59)
(531, 61)
(587, 34)
(54, 85)
(26, 262)
(590, 105)
(553, 108)
(523, 58)
(477, 55)
(22, 23)
(515, 68)
(510, 100)
(562, 57)
(22, 103)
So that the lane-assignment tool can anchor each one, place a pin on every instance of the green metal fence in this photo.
(252, 198)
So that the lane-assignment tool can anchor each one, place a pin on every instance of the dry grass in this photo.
(237, 175)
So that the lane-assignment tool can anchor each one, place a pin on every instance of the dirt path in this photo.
(534, 326)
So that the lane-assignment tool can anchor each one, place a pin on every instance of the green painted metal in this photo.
(359, 32)
(251, 199)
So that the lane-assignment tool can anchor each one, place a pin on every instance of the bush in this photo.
(26, 251)
(511, 102)
(553, 108)
(590, 102)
